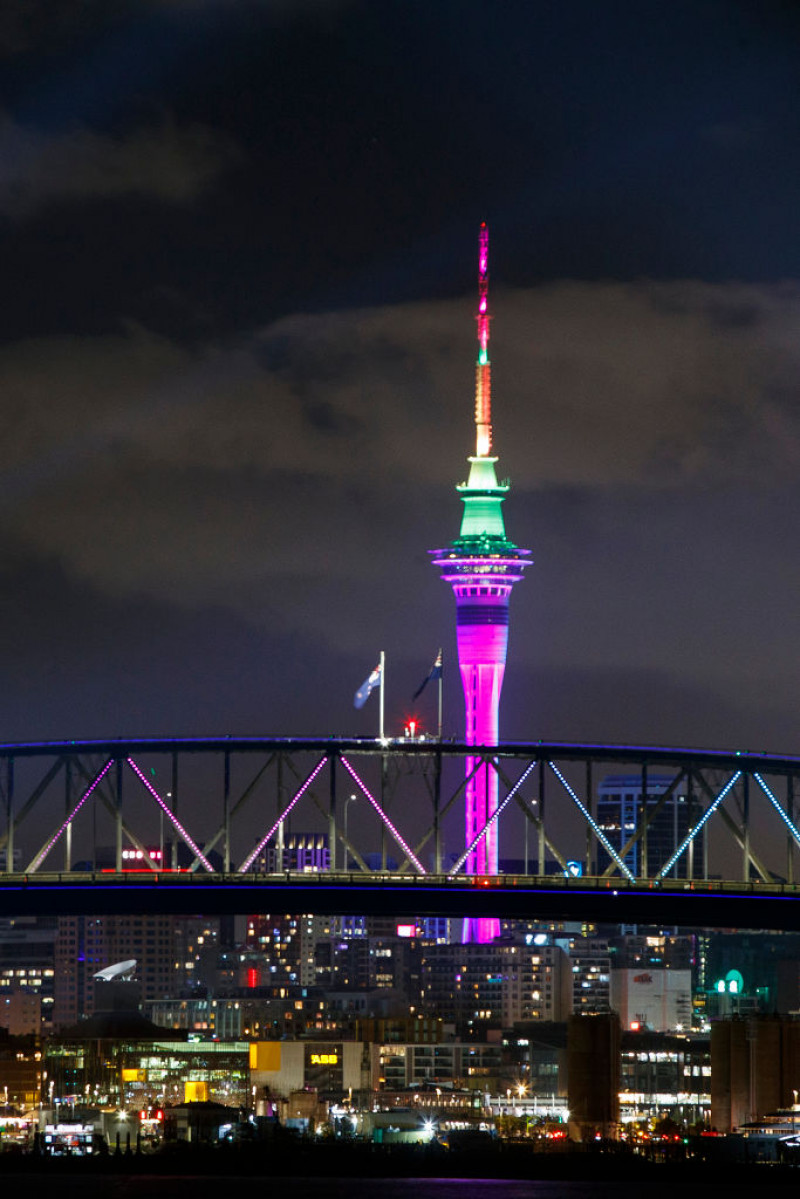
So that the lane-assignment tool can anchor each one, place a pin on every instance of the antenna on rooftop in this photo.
(483, 367)
(118, 970)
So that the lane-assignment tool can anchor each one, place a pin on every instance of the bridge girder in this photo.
(239, 799)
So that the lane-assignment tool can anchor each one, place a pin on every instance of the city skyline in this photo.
(235, 362)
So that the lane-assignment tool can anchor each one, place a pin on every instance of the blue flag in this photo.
(435, 672)
(367, 687)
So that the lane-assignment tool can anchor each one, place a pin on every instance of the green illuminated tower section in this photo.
(482, 566)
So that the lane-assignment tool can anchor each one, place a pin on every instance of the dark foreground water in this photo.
(222, 1187)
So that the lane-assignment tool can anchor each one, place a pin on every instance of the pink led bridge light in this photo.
(40, 857)
(172, 819)
(245, 866)
(492, 819)
(405, 848)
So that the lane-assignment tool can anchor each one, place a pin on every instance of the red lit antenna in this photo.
(483, 367)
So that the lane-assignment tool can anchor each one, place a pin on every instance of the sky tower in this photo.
(482, 566)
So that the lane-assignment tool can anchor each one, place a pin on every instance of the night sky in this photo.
(239, 255)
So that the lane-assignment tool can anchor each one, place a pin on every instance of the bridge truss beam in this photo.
(230, 805)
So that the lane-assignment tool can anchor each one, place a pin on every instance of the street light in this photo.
(349, 800)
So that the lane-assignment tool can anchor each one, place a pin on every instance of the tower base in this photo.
(480, 929)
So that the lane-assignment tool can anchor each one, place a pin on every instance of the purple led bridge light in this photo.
(245, 866)
(172, 819)
(405, 848)
(40, 857)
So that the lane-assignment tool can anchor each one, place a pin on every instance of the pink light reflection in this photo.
(405, 848)
(172, 819)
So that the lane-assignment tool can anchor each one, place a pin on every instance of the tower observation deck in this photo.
(482, 566)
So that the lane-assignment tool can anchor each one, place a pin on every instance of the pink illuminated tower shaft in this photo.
(482, 566)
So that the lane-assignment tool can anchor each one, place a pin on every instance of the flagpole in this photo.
(382, 689)
(441, 672)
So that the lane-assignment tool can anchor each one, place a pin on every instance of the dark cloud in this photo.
(237, 346)
(324, 418)
(596, 388)
(166, 163)
(43, 23)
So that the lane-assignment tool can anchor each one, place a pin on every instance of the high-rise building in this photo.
(482, 566)
(86, 944)
(663, 822)
(27, 974)
(651, 982)
(286, 946)
(477, 986)
(537, 983)
(654, 998)
(464, 985)
(591, 975)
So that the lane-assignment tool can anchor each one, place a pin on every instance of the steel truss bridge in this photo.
(206, 825)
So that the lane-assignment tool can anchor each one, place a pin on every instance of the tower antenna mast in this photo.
(482, 566)
(483, 367)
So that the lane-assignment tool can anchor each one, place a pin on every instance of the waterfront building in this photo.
(448, 1065)
(665, 1076)
(20, 1072)
(246, 1013)
(335, 1067)
(122, 1059)
(330, 1068)
(537, 1054)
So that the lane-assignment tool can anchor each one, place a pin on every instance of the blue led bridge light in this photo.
(690, 836)
(598, 832)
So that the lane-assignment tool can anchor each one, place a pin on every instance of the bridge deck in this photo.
(713, 903)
